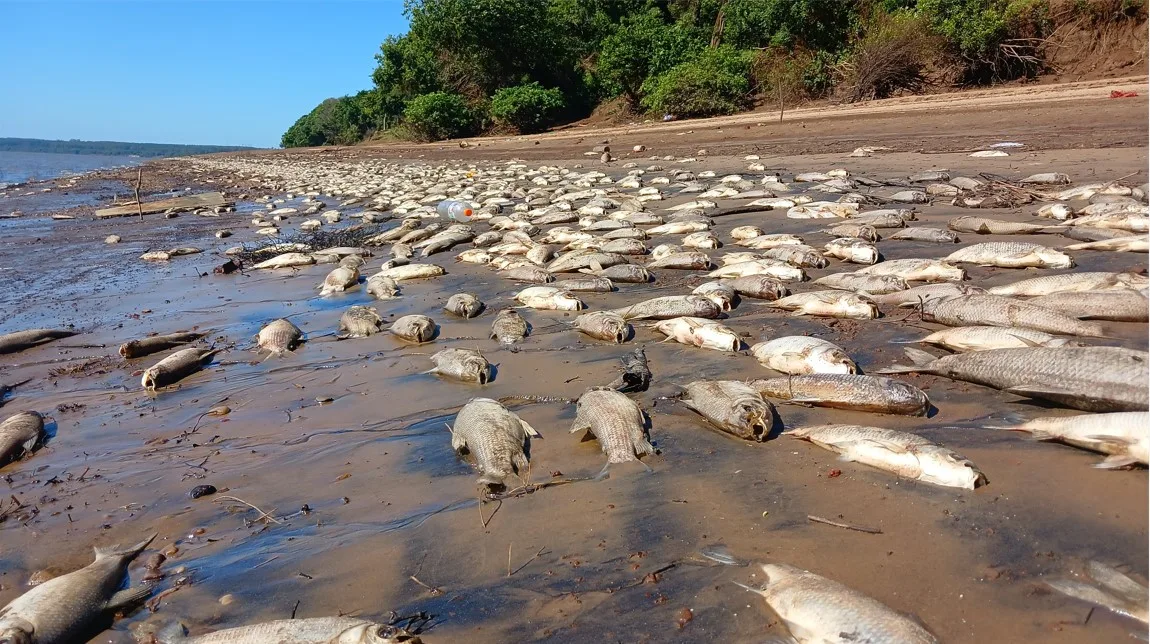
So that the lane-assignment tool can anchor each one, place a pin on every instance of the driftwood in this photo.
(203, 200)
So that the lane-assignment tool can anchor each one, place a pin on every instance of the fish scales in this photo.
(615, 421)
(494, 436)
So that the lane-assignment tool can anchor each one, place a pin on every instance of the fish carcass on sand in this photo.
(901, 453)
(548, 298)
(603, 325)
(835, 304)
(465, 305)
(314, 630)
(616, 422)
(700, 332)
(1116, 306)
(61, 610)
(994, 310)
(1109, 588)
(671, 306)
(176, 367)
(21, 340)
(414, 328)
(801, 354)
(1011, 255)
(1071, 283)
(19, 434)
(494, 436)
(279, 337)
(984, 338)
(509, 327)
(156, 343)
(818, 610)
(467, 365)
(732, 406)
(1086, 378)
(919, 295)
(1123, 436)
(873, 394)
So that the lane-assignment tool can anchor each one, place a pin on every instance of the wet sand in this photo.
(392, 520)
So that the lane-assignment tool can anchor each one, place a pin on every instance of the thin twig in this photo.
(432, 589)
(848, 526)
(526, 563)
(139, 179)
(263, 515)
(509, 560)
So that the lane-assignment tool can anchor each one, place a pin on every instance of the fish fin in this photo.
(1085, 592)
(797, 314)
(529, 430)
(1027, 342)
(983, 229)
(30, 443)
(1116, 461)
(596, 266)
(127, 553)
(172, 633)
(1117, 581)
(921, 361)
(757, 591)
(603, 473)
(127, 597)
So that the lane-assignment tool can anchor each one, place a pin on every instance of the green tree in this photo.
(527, 108)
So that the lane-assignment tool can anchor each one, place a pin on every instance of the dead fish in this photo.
(801, 354)
(700, 332)
(585, 285)
(287, 260)
(721, 294)
(758, 286)
(412, 271)
(801, 256)
(467, 365)
(865, 284)
(1086, 378)
(465, 305)
(400, 251)
(984, 338)
(901, 453)
(873, 394)
(616, 422)
(21, 340)
(509, 327)
(746, 232)
(935, 235)
(1071, 283)
(985, 226)
(419, 234)
(279, 337)
(917, 270)
(414, 328)
(382, 287)
(63, 610)
(359, 322)
(689, 261)
(671, 306)
(19, 435)
(636, 374)
(1046, 179)
(1011, 255)
(603, 325)
(622, 273)
(474, 256)
(1132, 222)
(1117, 306)
(495, 437)
(339, 280)
(763, 242)
(540, 254)
(1108, 588)
(818, 610)
(176, 367)
(995, 310)
(548, 298)
(625, 246)
(156, 343)
(877, 219)
(701, 240)
(578, 260)
(732, 406)
(1123, 436)
(314, 630)
(835, 304)
(860, 231)
(1129, 244)
(353, 261)
(769, 267)
(919, 295)
(852, 250)
(530, 274)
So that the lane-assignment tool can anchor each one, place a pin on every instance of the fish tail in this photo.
(127, 554)
(603, 473)
(757, 591)
(172, 633)
(921, 362)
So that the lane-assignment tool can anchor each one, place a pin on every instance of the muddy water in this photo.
(372, 512)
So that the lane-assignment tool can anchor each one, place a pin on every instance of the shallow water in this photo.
(393, 521)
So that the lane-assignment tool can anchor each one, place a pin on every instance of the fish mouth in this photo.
(620, 336)
(483, 377)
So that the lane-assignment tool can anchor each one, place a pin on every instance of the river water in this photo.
(20, 167)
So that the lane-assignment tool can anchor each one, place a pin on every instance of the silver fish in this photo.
(603, 325)
(279, 336)
(1086, 378)
(414, 328)
(315, 630)
(623, 273)
(61, 610)
(873, 394)
(671, 306)
(901, 453)
(758, 286)
(382, 287)
(918, 295)
(465, 305)
(1108, 588)
(838, 304)
(689, 260)
(818, 610)
(360, 322)
(616, 422)
(732, 406)
(585, 285)
(509, 327)
(1124, 436)
(494, 436)
(467, 365)
(1011, 255)
(531, 274)
(21, 340)
(917, 270)
(1118, 306)
(156, 343)
(984, 338)
(935, 235)
(984, 226)
(1071, 283)
(176, 367)
(575, 261)
(866, 284)
(994, 310)
(801, 354)
(339, 280)
(19, 434)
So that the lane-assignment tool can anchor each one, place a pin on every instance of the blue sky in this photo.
(208, 71)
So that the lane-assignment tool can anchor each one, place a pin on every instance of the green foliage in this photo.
(439, 115)
(815, 24)
(996, 39)
(643, 47)
(891, 56)
(338, 121)
(527, 108)
(717, 81)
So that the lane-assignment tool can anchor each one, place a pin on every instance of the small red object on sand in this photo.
(1121, 94)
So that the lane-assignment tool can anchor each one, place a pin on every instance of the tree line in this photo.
(111, 148)
(470, 66)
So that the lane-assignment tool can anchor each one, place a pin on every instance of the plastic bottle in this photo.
(454, 210)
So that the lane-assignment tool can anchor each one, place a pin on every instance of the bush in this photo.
(995, 39)
(527, 108)
(439, 115)
(716, 82)
(891, 56)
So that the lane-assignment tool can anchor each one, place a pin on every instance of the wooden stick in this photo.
(838, 524)
(139, 179)
(526, 563)
(509, 560)
(263, 515)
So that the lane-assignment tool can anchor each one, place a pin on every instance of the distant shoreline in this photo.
(113, 148)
